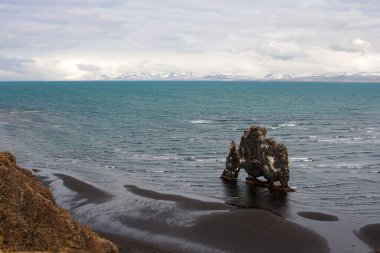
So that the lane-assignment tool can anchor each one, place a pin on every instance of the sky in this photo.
(68, 39)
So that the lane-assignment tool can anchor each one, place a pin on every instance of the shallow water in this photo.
(173, 137)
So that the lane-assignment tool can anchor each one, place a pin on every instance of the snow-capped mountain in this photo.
(277, 76)
(89, 77)
(157, 76)
(180, 76)
(343, 77)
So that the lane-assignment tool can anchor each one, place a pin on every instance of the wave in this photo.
(301, 159)
(201, 121)
(367, 196)
(354, 165)
(18, 112)
(149, 157)
(343, 140)
(288, 124)
(164, 157)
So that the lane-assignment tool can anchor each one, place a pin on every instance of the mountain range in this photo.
(343, 77)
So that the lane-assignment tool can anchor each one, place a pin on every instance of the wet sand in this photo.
(128, 245)
(221, 228)
(234, 230)
(243, 231)
(370, 234)
(84, 192)
(318, 216)
(257, 231)
(183, 202)
(92, 194)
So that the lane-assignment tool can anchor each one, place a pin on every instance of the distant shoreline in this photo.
(375, 81)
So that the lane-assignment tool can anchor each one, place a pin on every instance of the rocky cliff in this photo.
(31, 221)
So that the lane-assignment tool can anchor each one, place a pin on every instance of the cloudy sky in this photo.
(69, 39)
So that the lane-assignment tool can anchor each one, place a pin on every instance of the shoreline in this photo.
(219, 228)
(211, 230)
(127, 244)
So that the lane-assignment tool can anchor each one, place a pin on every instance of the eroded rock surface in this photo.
(232, 162)
(31, 221)
(259, 156)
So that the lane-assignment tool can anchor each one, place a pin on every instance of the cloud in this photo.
(355, 45)
(282, 50)
(247, 37)
(88, 67)
(361, 44)
(13, 64)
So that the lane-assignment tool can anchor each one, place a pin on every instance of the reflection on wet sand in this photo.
(243, 195)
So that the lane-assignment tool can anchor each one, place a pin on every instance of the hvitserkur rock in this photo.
(258, 156)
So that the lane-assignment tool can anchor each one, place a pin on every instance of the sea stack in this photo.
(258, 156)
(31, 221)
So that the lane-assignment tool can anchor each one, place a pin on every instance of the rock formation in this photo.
(259, 156)
(232, 162)
(31, 221)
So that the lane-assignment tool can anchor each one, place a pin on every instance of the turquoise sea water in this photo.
(173, 137)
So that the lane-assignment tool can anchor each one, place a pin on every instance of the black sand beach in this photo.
(371, 235)
(127, 244)
(85, 193)
(318, 216)
(224, 228)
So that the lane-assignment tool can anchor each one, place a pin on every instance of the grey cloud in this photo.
(369, 6)
(50, 25)
(183, 26)
(88, 67)
(13, 64)
(282, 50)
(355, 45)
(285, 30)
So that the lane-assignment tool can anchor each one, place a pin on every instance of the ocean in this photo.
(172, 137)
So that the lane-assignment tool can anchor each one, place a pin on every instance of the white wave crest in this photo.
(201, 121)
(301, 159)
(288, 124)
